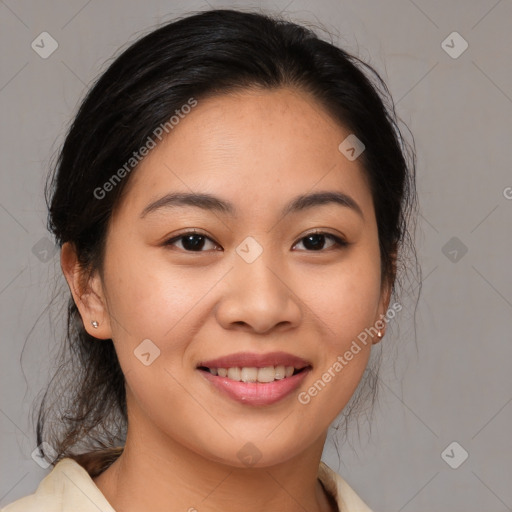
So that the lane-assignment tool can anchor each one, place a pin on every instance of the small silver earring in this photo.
(379, 334)
(95, 324)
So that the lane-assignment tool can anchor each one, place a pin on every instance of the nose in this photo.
(258, 297)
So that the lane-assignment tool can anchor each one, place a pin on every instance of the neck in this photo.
(156, 474)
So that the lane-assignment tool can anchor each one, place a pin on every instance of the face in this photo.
(249, 278)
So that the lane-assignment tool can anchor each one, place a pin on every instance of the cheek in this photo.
(149, 299)
(344, 303)
(344, 306)
(145, 290)
(155, 304)
(345, 296)
(157, 301)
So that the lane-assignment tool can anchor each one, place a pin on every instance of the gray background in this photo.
(455, 384)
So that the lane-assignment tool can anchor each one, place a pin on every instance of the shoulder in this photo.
(346, 498)
(67, 487)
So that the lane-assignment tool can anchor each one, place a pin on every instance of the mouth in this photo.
(263, 374)
(256, 379)
(250, 367)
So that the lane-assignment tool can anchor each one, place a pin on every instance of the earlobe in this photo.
(87, 292)
(380, 323)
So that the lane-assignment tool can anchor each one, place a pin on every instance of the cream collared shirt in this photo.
(69, 488)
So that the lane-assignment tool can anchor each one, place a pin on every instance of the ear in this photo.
(385, 298)
(87, 292)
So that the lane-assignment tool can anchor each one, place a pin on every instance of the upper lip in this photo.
(248, 359)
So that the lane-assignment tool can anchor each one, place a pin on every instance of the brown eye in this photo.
(192, 242)
(317, 241)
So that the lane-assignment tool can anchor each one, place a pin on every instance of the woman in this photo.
(231, 205)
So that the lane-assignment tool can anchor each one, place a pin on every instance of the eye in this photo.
(192, 241)
(316, 241)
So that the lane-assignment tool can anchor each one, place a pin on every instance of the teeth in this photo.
(280, 372)
(234, 373)
(253, 374)
(249, 375)
(266, 374)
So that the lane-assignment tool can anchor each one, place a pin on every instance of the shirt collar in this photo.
(70, 483)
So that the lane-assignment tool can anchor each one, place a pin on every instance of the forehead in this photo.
(256, 147)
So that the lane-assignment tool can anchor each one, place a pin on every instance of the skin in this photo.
(257, 149)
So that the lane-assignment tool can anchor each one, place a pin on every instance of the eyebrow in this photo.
(212, 203)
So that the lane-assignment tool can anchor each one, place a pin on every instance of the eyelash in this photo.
(339, 243)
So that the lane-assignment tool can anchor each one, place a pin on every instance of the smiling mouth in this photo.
(265, 374)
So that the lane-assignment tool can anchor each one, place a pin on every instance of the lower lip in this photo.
(257, 393)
